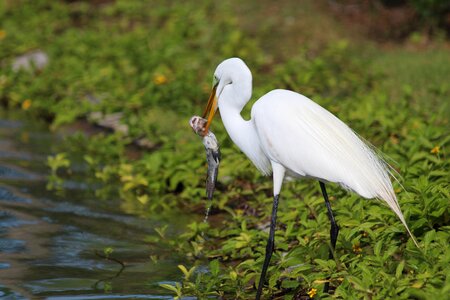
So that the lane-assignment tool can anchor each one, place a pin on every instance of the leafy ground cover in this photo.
(153, 61)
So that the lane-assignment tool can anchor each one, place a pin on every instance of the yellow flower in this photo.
(356, 248)
(312, 292)
(159, 79)
(394, 139)
(435, 150)
(2, 34)
(26, 104)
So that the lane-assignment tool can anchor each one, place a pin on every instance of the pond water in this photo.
(51, 244)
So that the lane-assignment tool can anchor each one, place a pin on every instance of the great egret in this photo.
(289, 134)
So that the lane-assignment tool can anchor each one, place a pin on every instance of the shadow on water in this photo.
(52, 246)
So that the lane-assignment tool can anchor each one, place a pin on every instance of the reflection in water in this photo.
(107, 280)
(51, 245)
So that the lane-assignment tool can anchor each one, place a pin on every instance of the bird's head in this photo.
(230, 72)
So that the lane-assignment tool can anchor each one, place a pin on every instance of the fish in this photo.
(212, 149)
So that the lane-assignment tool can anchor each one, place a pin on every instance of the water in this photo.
(52, 245)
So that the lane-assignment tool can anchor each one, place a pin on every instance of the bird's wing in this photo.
(310, 141)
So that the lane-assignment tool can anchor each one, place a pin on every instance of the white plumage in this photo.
(309, 141)
(290, 134)
(302, 138)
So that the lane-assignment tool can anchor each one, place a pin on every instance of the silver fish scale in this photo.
(212, 153)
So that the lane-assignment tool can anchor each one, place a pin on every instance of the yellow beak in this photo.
(211, 109)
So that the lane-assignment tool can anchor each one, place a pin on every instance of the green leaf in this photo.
(214, 267)
(169, 287)
(290, 284)
(429, 236)
(377, 248)
(187, 273)
(399, 269)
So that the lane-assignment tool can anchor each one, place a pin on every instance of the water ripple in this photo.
(7, 195)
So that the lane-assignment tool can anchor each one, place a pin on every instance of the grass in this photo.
(153, 62)
(419, 73)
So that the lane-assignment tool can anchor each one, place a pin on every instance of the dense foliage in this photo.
(153, 61)
(434, 12)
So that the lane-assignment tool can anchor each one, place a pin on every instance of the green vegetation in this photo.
(153, 62)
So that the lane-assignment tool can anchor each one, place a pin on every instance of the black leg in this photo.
(269, 247)
(334, 231)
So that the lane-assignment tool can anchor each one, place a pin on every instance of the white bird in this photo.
(289, 134)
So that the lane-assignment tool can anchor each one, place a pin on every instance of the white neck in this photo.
(242, 132)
